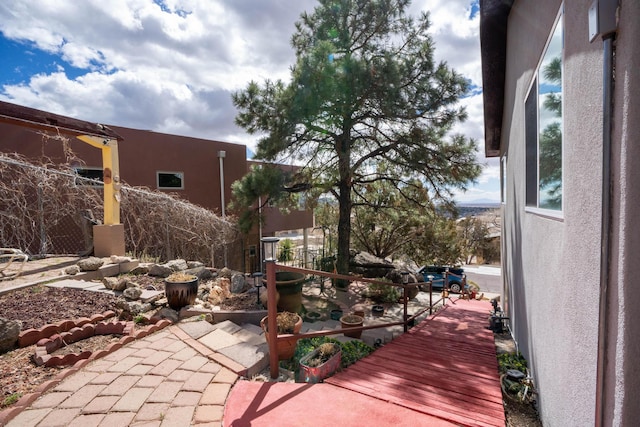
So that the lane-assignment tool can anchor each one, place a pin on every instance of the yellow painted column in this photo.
(111, 176)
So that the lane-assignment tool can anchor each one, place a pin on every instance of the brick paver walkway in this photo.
(159, 380)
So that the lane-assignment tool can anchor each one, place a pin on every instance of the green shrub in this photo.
(286, 250)
(380, 292)
(11, 399)
(352, 351)
(516, 361)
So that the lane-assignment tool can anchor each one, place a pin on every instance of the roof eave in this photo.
(43, 120)
(493, 50)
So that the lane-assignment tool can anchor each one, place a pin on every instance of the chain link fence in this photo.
(47, 209)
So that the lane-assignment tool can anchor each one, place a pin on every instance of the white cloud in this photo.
(171, 66)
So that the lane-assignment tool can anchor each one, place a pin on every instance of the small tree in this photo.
(286, 250)
(473, 234)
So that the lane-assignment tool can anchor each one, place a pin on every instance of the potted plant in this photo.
(287, 323)
(181, 289)
(320, 363)
(352, 321)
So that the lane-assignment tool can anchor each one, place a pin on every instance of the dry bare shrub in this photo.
(40, 201)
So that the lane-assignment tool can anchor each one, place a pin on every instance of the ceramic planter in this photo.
(315, 374)
(289, 287)
(181, 293)
(377, 310)
(336, 314)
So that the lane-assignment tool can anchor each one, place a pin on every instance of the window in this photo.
(503, 176)
(89, 176)
(170, 180)
(543, 128)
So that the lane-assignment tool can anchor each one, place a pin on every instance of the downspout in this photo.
(603, 22)
(605, 248)
(221, 156)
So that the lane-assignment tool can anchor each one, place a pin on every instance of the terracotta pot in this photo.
(285, 349)
(181, 294)
(352, 321)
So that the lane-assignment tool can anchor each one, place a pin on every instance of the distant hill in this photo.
(480, 203)
(476, 208)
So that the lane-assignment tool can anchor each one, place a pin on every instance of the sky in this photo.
(171, 65)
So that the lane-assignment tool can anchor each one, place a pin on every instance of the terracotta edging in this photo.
(11, 412)
(32, 336)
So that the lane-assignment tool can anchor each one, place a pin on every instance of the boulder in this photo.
(72, 270)
(165, 313)
(141, 269)
(90, 264)
(9, 331)
(194, 264)
(115, 259)
(238, 283)
(160, 270)
(177, 264)
(369, 265)
(132, 293)
(200, 272)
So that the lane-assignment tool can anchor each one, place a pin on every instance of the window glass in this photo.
(543, 129)
(89, 176)
(550, 122)
(170, 180)
(503, 176)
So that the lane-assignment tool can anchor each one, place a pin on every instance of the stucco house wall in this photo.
(551, 263)
(142, 154)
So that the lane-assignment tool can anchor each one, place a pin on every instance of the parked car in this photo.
(436, 274)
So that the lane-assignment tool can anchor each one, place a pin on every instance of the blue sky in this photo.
(171, 65)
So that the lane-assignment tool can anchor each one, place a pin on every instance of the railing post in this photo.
(430, 297)
(405, 299)
(272, 313)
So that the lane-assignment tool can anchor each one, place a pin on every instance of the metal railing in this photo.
(272, 332)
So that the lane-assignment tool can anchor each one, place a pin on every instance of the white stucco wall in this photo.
(622, 402)
(551, 265)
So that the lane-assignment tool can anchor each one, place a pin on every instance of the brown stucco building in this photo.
(198, 170)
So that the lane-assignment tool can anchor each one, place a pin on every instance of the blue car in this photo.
(436, 274)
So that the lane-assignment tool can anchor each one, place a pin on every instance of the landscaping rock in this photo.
(109, 282)
(369, 265)
(238, 283)
(200, 272)
(177, 264)
(141, 269)
(9, 331)
(132, 293)
(194, 264)
(159, 270)
(165, 313)
(90, 264)
(72, 270)
(115, 259)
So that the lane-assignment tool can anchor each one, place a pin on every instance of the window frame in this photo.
(181, 174)
(532, 150)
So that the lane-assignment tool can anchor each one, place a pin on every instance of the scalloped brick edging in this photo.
(11, 412)
(48, 345)
(32, 336)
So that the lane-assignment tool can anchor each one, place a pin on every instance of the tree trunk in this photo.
(344, 233)
(344, 209)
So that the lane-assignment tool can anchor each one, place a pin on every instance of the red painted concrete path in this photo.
(442, 372)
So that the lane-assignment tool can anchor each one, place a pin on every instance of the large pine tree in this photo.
(365, 88)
